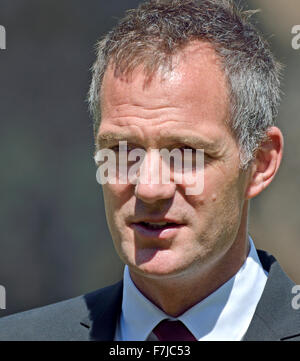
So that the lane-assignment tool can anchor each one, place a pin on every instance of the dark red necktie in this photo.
(173, 331)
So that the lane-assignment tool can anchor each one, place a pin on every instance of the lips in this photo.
(159, 229)
(157, 225)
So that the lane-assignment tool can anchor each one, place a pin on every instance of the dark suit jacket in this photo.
(94, 316)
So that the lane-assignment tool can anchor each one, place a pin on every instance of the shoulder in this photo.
(58, 321)
(53, 322)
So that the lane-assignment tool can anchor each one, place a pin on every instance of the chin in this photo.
(157, 264)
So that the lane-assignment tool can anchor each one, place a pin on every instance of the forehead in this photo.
(195, 88)
(196, 66)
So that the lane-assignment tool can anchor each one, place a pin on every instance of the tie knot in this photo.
(168, 330)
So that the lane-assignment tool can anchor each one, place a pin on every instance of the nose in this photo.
(151, 186)
(151, 193)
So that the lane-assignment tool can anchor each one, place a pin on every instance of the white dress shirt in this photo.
(224, 315)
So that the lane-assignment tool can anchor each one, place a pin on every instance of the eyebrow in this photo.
(109, 137)
(196, 142)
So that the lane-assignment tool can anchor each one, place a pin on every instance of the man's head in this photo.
(187, 74)
(152, 34)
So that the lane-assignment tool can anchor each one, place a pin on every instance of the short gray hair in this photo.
(157, 29)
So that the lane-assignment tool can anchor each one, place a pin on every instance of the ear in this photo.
(266, 163)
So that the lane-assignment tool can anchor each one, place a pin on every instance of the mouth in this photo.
(157, 225)
(159, 230)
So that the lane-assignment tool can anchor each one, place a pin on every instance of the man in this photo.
(182, 75)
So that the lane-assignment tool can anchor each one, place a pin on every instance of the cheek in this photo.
(226, 203)
(221, 198)
(116, 194)
(112, 203)
(118, 205)
(212, 193)
(213, 197)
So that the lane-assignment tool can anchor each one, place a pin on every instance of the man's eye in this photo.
(115, 148)
(122, 148)
(188, 148)
(193, 151)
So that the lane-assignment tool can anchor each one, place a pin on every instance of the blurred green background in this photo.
(53, 234)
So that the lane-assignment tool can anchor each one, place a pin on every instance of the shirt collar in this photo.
(223, 315)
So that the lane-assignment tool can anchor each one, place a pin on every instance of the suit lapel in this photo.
(274, 317)
(104, 308)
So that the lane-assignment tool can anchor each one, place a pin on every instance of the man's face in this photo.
(188, 108)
